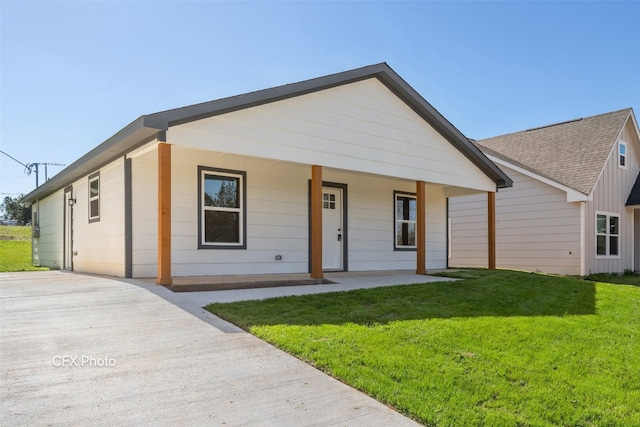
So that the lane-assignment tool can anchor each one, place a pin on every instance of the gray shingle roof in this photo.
(570, 153)
(634, 196)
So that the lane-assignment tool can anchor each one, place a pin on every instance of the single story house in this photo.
(347, 172)
(574, 207)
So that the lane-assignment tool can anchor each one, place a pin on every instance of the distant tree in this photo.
(13, 209)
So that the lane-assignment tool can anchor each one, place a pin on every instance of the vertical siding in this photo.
(610, 195)
(100, 245)
(536, 228)
(47, 249)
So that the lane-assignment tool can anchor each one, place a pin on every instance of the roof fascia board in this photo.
(95, 159)
(572, 195)
(425, 110)
(382, 71)
(178, 116)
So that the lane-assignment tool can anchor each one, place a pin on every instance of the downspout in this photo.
(582, 239)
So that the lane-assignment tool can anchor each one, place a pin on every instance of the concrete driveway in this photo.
(86, 350)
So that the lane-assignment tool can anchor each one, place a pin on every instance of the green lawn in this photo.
(498, 348)
(15, 249)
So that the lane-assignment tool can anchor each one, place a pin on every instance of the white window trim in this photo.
(92, 178)
(607, 242)
(621, 144)
(397, 247)
(241, 176)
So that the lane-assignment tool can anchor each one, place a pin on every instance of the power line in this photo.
(28, 167)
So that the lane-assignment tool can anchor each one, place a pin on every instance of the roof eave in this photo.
(128, 138)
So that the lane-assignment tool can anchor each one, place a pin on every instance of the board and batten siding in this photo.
(277, 218)
(610, 196)
(536, 228)
(47, 249)
(99, 246)
(360, 126)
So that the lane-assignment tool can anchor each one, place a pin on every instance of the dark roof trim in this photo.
(634, 196)
(154, 125)
(382, 71)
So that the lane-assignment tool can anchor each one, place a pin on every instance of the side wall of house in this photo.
(99, 246)
(47, 249)
(277, 215)
(610, 196)
(536, 228)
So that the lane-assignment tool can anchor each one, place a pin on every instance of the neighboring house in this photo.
(349, 171)
(574, 207)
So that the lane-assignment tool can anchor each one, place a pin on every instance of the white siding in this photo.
(359, 127)
(99, 246)
(536, 228)
(277, 218)
(610, 195)
(144, 194)
(47, 249)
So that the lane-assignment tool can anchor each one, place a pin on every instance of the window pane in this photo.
(94, 208)
(406, 208)
(405, 234)
(221, 227)
(623, 149)
(613, 225)
(601, 224)
(601, 243)
(613, 245)
(221, 191)
(93, 188)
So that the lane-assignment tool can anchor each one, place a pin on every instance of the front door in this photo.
(68, 230)
(332, 229)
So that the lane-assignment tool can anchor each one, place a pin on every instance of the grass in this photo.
(628, 278)
(15, 249)
(496, 348)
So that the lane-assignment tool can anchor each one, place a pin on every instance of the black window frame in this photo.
(397, 247)
(93, 177)
(207, 170)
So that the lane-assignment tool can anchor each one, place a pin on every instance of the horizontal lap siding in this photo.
(536, 228)
(360, 126)
(277, 218)
(100, 245)
(47, 249)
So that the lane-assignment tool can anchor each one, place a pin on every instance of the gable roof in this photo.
(634, 196)
(151, 126)
(572, 153)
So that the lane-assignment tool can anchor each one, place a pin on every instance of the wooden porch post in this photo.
(164, 214)
(421, 229)
(491, 211)
(316, 222)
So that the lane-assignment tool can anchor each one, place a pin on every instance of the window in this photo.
(328, 201)
(222, 209)
(607, 234)
(405, 220)
(622, 154)
(94, 197)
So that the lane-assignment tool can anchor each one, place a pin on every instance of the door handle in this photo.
(339, 237)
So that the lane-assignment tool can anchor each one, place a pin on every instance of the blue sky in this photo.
(74, 73)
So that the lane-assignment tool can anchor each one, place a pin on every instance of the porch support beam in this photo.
(164, 214)
(491, 211)
(421, 229)
(316, 222)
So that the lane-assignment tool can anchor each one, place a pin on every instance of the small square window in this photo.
(622, 154)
